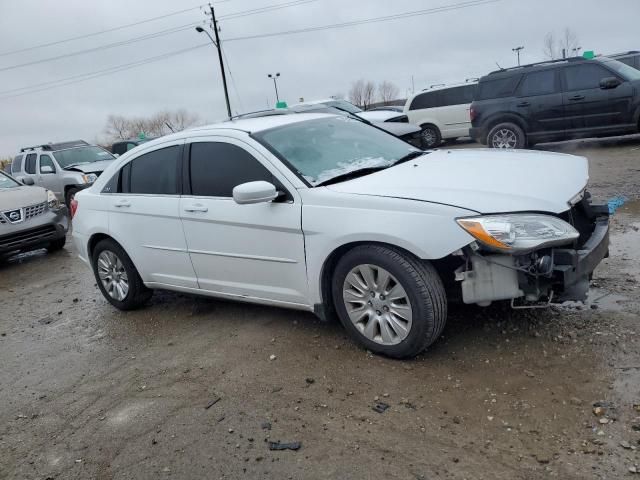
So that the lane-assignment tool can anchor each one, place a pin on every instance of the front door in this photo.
(252, 251)
(49, 177)
(145, 213)
(590, 107)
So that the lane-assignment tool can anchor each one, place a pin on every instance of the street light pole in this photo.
(216, 43)
(275, 84)
(517, 50)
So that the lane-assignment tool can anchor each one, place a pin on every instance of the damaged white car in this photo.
(330, 215)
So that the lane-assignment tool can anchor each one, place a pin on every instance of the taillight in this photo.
(472, 114)
(74, 207)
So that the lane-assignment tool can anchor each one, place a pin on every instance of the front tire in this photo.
(390, 302)
(69, 196)
(507, 136)
(117, 277)
(56, 245)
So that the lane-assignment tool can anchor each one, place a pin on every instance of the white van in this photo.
(442, 112)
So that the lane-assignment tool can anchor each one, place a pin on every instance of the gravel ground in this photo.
(197, 388)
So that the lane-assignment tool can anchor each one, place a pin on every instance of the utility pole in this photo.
(517, 50)
(218, 46)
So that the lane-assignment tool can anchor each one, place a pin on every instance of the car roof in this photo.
(258, 124)
(549, 64)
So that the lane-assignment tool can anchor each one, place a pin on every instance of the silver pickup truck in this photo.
(64, 168)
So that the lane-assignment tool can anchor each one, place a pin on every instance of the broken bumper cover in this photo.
(573, 268)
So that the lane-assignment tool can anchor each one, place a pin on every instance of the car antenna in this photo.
(170, 127)
(499, 66)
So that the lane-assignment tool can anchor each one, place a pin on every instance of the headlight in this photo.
(89, 178)
(52, 200)
(519, 233)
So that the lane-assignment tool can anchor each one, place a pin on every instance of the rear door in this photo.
(454, 112)
(539, 101)
(50, 180)
(591, 108)
(144, 216)
(251, 251)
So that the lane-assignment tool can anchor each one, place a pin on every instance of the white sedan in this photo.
(327, 214)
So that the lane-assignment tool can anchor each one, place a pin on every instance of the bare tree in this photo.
(368, 94)
(119, 127)
(387, 91)
(356, 92)
(562, 46)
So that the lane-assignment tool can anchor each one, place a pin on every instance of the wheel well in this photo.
(428, 124)
(506, 119)
(327, 310)
(93, 241)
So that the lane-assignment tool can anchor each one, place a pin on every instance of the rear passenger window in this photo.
(30, 163)
(217, 167)
(444, 97)
(154, 172)
(16, 166)
(585, 76)
(426, 100)
(498, 88)
(538, 83)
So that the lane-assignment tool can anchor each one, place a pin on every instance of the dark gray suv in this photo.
(556, 100)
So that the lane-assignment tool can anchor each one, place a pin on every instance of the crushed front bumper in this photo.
(573, 268)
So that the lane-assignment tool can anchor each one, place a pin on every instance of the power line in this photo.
(430, 11)
(160, 33)
(265, 9)
(157, 34)
(98, 73)
(113, 29)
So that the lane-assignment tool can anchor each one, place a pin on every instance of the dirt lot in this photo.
(90, 392)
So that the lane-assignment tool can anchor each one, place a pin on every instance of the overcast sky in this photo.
(441, 47)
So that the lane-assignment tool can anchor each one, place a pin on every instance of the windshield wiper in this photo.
(409, 156)
(349, 175)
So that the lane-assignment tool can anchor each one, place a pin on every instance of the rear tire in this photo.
(117, 277)
(400, 311)
(430, 136)
(506, 135)
(56, 245)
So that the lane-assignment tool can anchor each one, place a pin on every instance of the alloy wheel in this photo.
(113, 275)
(377, 304)
(504, 138)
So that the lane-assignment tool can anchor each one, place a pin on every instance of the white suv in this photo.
(442, 112)
(327, 214)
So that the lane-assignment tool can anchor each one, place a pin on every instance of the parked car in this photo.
(374, 115)
(442, 112)
(405, 131)
(556, 100)
(30, 217)
(328, 214)
(123, 146)
(389, 108)
(64, 168)
(631, 58)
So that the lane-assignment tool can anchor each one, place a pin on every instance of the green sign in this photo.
(281, 104)
(589, 54)
(142, 136)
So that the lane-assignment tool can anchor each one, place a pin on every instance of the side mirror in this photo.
(28, 181)
(254, 192)
(46, 169)
(609, 83)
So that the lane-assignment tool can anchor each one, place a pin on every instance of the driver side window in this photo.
(45, 161)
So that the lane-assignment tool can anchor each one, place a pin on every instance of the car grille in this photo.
(16, 240)
(2, 220)
(35, 210)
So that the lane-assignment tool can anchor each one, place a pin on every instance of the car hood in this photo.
(93, 167)
(379, 115)
(482, 180)
(19, 197)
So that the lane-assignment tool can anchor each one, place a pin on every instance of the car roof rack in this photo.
(540, 64)
(630, 52)
(57, 146)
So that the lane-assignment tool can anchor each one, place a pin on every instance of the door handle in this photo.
(577, 97)
(196, 207)
(523, 104)
(122, 203)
